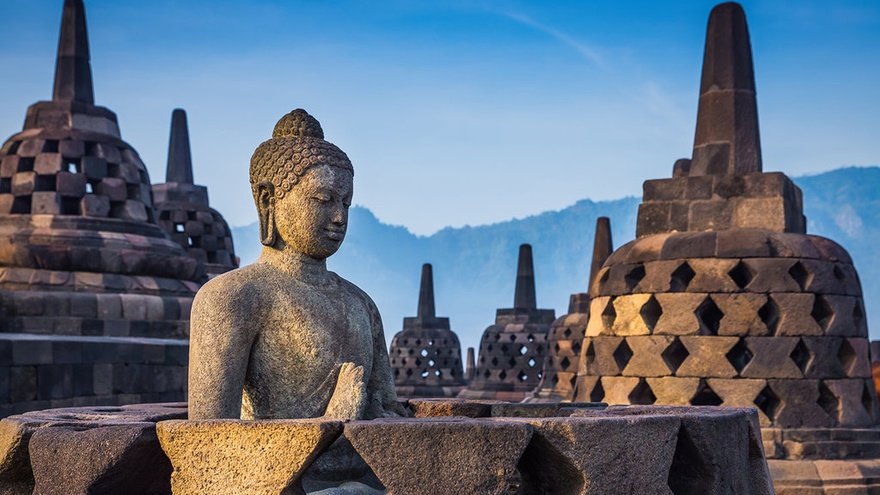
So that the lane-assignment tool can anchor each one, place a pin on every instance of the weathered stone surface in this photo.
(488, 465)
(104, 460)
(263, 457)
(284, 337)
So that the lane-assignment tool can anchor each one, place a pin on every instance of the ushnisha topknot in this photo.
(297, 143)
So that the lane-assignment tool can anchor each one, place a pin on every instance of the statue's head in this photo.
(302, 186)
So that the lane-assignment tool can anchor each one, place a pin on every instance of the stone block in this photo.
(70, 185)
(112, 187)
(684, 245)
(31, 351)
(796, 314)
(108, 152)
(762, 213)
(798, 404)
(657, 273)
(428, 408)
(739, 392)
(712, 215)
(647, 356)
(772, 275)
(94, 168)
(93, 205)
(618, 388)
(672, 390)
(71, 148)
(131, 210)
(602, 358)
(46, 203)
(9, 166)
(48, 163)
(711, 275)
(593, 455)
(678, 313)
(772, 358)
(22, 383)
(706, 357)
(24, 183)
(653, 218)
(741, 314)
(646, 249)
(128, 172)
(16, 476)
(850, 410)
(488, 466)
(602, 316)
(254, 457)
(628, 320)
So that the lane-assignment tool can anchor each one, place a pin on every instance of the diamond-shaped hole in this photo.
(622, 355)
(801, 356)
(598, 393)
(609, 314)
(839, 274)
(709, 315)
(603, 276)
(858, 314)
(739, 355)
(590, 355)
(532, 362)
(822, 312)
(642, 395)
(634, 276)
(651, 312)
(741, 274)
(681, 277)
(523, 350)
(768, 402)
(705, 396)
(564, 363)
(502, 375)
(522, 376)
(511, 362)
(566, 333)
(828, 401)
(674, 354)
(847, 356)
(800, 275)
(769, 314)
(868, 395)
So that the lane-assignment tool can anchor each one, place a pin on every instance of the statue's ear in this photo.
(266, 210)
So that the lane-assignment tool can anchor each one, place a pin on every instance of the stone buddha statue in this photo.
(285, 337)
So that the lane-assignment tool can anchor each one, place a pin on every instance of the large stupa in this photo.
(723, 299)
(94, 297)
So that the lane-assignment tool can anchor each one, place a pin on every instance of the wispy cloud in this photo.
(586, 51)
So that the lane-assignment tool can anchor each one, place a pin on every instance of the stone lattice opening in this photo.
(634, 276)
(858, 314)
(739, 355)
(609, 314)
(709, 316)
(603, 277)
(622, 355)
(800, 275)
(868, 397)
(590, 355)
(822, 312)
(769, 314)
(741, 274)
(564, 363)
(642, 395)
(828, 402)
(651, 312)
(674, 355)
(847, 356)
(705, 396)
(768, 402)
(598, 392)
(681, 277)
(839, 274)
(801, 356)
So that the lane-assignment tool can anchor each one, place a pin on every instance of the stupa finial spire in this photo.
(73, 72)
(602, 247)
(180, 167)
(727, 140)
(525, 280)
(426, 310)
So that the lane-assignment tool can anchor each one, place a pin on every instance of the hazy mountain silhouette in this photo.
(474, 267)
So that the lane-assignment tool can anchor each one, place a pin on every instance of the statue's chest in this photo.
(323, 328)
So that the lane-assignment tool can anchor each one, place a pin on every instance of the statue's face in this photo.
(312, 217)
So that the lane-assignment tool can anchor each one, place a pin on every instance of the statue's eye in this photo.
(322, 198)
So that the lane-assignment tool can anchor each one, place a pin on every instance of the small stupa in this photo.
(566, 335)
(512, 351)
(426, 354)
(183, 210)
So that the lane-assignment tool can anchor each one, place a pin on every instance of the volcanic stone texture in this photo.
(551, 448)
(81, 254)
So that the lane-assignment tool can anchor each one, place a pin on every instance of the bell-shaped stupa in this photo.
(426, 354)
(566, 336)
(183, 210)
(83, 262)
(723, 299)
(512, 351)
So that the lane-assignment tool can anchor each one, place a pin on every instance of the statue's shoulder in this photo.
(237, 291)
(358, 293)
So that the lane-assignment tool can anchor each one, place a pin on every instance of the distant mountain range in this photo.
(474, 267)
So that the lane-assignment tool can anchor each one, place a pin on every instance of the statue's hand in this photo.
(350, 395)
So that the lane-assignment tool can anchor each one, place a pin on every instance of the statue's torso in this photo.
(304, 335)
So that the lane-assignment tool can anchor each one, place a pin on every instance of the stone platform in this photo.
(448, 446)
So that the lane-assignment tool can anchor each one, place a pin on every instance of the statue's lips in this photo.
(336, 235)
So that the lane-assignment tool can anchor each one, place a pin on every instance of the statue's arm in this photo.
(383, 398)
(219, 348)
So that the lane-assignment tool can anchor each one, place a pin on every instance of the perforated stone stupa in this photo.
(566, 335)
(94, 297)
(723, 299)
(426, 354)
(183, 210)
(512, 351)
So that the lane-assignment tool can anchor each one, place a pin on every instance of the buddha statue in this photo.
(284, 337)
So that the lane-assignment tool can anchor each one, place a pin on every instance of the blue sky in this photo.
(459, 112)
